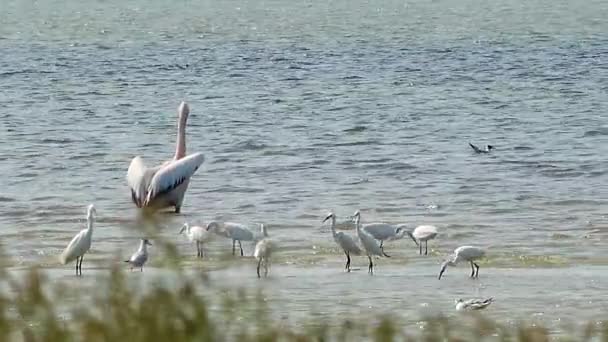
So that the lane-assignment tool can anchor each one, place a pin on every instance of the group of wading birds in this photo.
(164, 186)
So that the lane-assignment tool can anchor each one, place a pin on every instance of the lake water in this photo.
(310, 106)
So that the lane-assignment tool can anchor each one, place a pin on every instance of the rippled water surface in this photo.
(304, 107)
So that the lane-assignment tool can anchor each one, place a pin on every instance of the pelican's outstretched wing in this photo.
(173, 174)
(138, 178)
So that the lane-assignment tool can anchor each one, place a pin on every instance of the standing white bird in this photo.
(473, 304)
(81, 243)
(263, 252)
(165, 185)
(139, 258)
(486, 149)
(197, 234)
(423, 233)
(346, 242)
(386, 232)
(464, 253)
(368, 242)
(235, 231)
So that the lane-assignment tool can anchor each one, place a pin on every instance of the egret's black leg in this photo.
(233, 246)
(198, 250)
(80, 266)
(472, 270)
(426, 247)
(241, 247)
(347, 267)
(259, 263)
(371, 265)
(420, 247)
(477, 267)
(77, 265)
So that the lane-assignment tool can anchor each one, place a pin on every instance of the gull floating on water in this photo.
(424, 233)
(81, 243)
(369, 243)
(473, 304)
(263, 252)
(139, 258)
(197, 234)
(346, 242)
(165, 185)
(236, 232)
(464, 253)
(486, 149)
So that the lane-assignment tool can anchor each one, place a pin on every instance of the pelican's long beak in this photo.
(443, 267)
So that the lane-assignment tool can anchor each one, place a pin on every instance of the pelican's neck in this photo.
(180, 149)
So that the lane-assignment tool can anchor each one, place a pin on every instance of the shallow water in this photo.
(306, 107)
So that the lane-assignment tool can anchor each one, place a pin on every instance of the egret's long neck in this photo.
(180, 149)
(333, 226)
(90, 224)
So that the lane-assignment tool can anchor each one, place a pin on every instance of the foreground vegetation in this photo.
(29, 311)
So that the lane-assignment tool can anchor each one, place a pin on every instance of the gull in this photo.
(464, 253)
(165, 185)
(423, 233)
(197, 234)
(139, 258)
(81, 243)
(369, 243)
(236, 232)
(346, 242)
(473, 304)
(486, 149)
(263, 252)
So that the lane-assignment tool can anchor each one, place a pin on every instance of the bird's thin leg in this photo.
(420, 247)
(259, 262)
(77, 265)
(178, 209)
(80, 266)
(233, 246)
(265, 267)
(141, 269)
(426, 247)
(371, 265)
(347, 266)
(202, 251)
(472, 270)
(198, 249)
(241, 247)
(381, 243)
(477, 274)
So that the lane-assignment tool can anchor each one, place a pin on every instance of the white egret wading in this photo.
(385, 232)
(346, 242)
(263, 252)
(81, 243)
(464, 253)
(423, 234)
(197, 234)
(473, 304)
(165, 185)
(368, 242)
(139, 258)
(236, 232)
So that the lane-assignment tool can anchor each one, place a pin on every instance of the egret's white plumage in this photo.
(368, 242)
(235, 231)
(263, 252)
(464, 253)
(81, 243)
(346, 242)
(473, 304)
(165, 185)
(197, 234)
(424, 233)
(385, 232)
(139, 258)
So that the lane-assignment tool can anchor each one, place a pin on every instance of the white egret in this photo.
(263, 252)
(386, 232)
(165, 185)
(368, 242)
(473, 304)
(235, 231)
(486, 149)
(423, 233)
(464, 253)
(139, 258)
(346, 242)
(81, 243)
(197, 234)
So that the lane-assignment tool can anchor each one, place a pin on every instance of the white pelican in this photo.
(369, 243)
(139, 258)
(346, 242)
(486, 149)
(263, 252)
(81, 243)
(464, 253)
(236, 232)
(421, 234)
(197, 234)
(165, 185)
(473, 304)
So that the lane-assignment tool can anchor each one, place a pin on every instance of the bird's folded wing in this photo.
(69, 253)
(173, 174)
